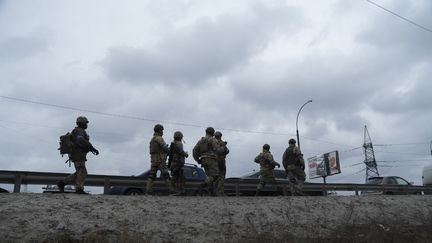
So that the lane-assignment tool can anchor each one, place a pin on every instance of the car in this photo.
(55, 189)
(250, 181)
(427, 177)
(192, 173)
(390, 181)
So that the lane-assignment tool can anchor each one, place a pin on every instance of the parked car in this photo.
(55, 189)
(250, 181)
(192, 173)
(390, 181)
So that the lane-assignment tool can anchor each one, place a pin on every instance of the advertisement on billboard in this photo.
(324, 165)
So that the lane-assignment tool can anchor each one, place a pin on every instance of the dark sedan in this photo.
(192, 173)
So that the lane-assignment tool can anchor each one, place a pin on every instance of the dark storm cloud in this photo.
(390, 33)
(387, 54)
(405, 55)
(19, 47)
(210, 47)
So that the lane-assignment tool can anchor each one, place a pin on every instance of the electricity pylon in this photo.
(370, 162)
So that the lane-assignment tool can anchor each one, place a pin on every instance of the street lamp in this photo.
(298, 138)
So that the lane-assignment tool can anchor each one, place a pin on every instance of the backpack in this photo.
(66, 144)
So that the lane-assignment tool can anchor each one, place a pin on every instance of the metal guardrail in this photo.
(237, 186)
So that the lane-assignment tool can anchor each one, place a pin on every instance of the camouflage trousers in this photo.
(162, 167)
(221, 177)
(266, 177)
(79, 176)
(177, 177)
(212, 170)
(296, 178)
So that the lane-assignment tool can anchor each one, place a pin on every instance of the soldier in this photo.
(158, 155)
(267, 165)
(176, 161)
(294, 165)
(78, 156)
(224, 151)
(204, 153)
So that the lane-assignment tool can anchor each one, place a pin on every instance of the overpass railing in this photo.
(237, 186)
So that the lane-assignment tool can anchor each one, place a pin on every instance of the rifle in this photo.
(171, 154)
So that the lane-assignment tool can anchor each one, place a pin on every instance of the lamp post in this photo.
(298, 138)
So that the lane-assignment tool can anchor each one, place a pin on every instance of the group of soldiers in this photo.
(210, 152)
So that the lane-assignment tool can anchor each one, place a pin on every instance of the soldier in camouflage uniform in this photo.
(78, 156)
(205, 153)
(294, 165)
(158, 155)
(224, 151)
(176, 161)
(267, 165)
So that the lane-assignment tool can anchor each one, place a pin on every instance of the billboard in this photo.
(324, 165)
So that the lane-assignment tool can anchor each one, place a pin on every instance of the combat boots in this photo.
(149, 187)
(61, 185)
(81, 191)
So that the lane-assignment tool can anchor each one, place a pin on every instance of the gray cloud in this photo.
(243, 66)
(209, 48)
(20, 47)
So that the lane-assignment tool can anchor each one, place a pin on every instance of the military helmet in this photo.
(292, 141)
(158, 128)
(218, 134)
(178, 135)
(266, 147)
(210, 130)
(82, 120)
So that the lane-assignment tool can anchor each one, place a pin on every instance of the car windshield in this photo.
(401, 181)
(375, 181)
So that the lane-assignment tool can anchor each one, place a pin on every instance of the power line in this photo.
(138, 118)
(396, 166)
(395, 152)
(156, 120)
(401, 144)
(399, 16)
(401, 161)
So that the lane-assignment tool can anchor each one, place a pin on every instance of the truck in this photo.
(427, 175)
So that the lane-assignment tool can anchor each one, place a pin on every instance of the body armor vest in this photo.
(204, 146)
(292, 158)
(154, 146)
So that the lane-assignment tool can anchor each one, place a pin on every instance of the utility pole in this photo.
(370, 162)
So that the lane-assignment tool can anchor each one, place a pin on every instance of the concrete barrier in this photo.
(103, 218)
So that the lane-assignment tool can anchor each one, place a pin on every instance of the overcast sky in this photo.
(243, 67)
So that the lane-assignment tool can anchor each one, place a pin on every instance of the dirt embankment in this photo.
(100, 218)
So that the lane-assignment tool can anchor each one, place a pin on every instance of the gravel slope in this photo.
(103, 218)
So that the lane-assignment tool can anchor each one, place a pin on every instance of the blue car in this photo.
(192, 173)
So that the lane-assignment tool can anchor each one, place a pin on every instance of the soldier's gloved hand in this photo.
(278, 165)
(226, 142)
(187, 155)
(95, 151)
